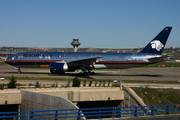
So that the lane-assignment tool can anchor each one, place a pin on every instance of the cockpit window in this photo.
(10, 57)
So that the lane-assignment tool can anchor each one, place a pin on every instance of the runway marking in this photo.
(38, 71)
(42, 74)
(79, 71)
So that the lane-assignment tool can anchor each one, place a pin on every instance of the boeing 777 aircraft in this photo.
(60, 62)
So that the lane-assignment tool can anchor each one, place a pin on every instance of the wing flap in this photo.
(85, 61)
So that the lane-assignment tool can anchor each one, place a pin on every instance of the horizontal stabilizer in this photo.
(158, 59)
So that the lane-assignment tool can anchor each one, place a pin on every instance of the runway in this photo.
(162, 74)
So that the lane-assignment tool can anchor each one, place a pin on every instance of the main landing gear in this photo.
(18, 69)
(88, 73)
(54, 72)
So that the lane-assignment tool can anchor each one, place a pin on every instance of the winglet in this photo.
(157, 45)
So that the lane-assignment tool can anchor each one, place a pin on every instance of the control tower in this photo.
(75, 44)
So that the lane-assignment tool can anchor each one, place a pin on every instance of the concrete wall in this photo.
(99, 94)
(38, 101)
(51, 99)
(12, 96)
(85, 94)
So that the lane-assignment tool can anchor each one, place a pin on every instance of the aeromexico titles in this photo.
(60, 62)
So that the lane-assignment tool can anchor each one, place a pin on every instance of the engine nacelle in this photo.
(58, 67)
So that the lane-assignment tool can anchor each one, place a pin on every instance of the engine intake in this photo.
(58, 67)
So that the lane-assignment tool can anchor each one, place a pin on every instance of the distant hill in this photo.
(25, 49)
(167, 51)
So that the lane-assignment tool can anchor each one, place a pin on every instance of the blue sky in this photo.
(97, 23)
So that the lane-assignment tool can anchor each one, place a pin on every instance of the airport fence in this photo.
(92, 113)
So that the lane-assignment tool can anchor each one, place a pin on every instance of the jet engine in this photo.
(59, 68)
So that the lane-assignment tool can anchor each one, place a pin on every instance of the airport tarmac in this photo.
(162, 74)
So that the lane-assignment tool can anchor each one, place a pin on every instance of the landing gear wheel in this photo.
(93, 73)
(62, 73)
(53, 72)
(87, 74)
(19, 70)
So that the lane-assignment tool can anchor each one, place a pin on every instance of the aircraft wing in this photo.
(85, 61)
(158, 59)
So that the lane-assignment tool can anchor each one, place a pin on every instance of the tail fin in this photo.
(157, 45)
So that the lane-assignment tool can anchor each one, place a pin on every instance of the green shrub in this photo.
(12, 83)
(37, 84)
(76, 82)
(2, 86)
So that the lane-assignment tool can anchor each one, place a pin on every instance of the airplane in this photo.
(61, 62)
